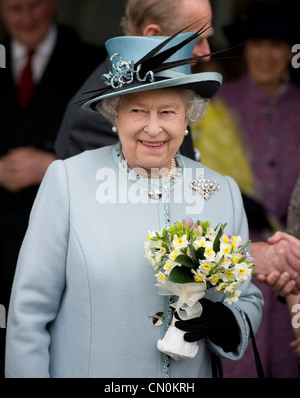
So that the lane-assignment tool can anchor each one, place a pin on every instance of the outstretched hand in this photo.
(277, 263)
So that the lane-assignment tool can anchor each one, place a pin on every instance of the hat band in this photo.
(124, 73)
(170, 74)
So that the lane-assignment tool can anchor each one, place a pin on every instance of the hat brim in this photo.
(206, 84)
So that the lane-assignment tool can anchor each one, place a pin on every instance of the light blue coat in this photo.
(84, 294)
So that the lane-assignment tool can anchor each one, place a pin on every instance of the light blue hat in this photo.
(142, 63)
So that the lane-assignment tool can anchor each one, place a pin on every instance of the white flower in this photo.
(225, 238)
(242, 272)
(231, 287)
(159, 254)
(210, 234)
(150, 258)
(172, 256)
(152, 234)
(236, 241)
(205, 267)
(225, 248)
(229, 276)
(209, 253)
(169, 265)
(226, 262)
(214, 279)
(180, 242)
(233, 298)
(199, 243)
(236, 257)
(199, 276)
(160, 277)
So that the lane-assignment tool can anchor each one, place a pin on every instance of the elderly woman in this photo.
(84, 301)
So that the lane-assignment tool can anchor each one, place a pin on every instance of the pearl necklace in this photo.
(172, 170)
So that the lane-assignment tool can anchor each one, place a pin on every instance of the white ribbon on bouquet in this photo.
(187, 307)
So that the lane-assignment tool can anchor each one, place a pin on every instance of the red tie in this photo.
(26, 83)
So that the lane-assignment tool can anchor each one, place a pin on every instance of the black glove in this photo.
(216, 322)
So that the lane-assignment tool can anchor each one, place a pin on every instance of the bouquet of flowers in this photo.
(191, 257)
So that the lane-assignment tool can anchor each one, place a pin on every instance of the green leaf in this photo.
(200, 253)
(192, 252)
(243, 247)
(180, 275)
(220, 261)
(216, 244)
(185, 261)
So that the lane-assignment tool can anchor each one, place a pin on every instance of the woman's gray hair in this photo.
(195, 107)
(108, 107)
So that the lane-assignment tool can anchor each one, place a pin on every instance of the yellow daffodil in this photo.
(160, 276)
(198, 278)
(214, 279)
(225, 239)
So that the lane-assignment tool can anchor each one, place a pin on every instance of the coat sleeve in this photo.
(40, 278)
(251, 299)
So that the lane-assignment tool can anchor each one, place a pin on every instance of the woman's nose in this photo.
(152, 127)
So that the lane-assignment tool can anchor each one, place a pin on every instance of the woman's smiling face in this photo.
(151, 127)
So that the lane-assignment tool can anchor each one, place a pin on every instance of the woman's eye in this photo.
(167, 112)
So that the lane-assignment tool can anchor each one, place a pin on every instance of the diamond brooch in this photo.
(205, 187)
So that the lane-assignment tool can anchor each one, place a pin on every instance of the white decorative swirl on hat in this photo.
(124, 73)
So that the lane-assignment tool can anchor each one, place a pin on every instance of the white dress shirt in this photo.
(40, 59)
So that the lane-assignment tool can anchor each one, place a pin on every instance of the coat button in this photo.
(158, 319)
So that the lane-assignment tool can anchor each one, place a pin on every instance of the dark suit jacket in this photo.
(82, 130)
(70, 64)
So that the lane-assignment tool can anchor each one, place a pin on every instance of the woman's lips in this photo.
(151, 144)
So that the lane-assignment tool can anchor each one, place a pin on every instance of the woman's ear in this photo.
(152, 30)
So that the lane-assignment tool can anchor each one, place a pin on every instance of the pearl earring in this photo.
(186, 132)
(114, 129)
